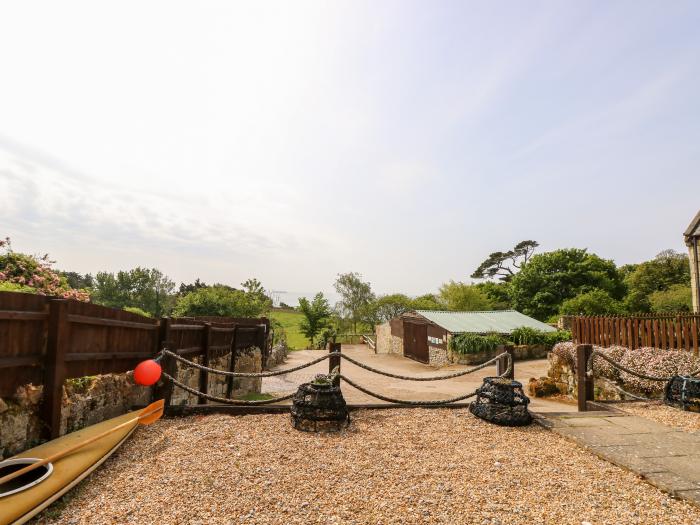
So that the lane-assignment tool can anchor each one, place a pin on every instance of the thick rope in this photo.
(243, 374)
(225, 400)
(596, 353)
(433, 378)
(335, 374)
(405, 401)
(625, 392)
(353, 361)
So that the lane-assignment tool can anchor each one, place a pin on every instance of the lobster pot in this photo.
(319, 408)
(683, 392)
(502, 401)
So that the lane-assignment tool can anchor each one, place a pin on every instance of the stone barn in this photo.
(424, 335)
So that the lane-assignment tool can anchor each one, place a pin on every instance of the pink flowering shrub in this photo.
(655, 362)
(28, 273)
(648, 361)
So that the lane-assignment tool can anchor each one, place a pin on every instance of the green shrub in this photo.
(475, 344)
(525, 335)
(553, 338)
(136, 310)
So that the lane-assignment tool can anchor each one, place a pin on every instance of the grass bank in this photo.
(290, 320)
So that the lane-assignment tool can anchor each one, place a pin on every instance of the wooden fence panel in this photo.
(106, 340)
(45, 340)
(23, 331)
(672, 332)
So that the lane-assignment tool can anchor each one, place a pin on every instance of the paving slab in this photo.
(665, 457)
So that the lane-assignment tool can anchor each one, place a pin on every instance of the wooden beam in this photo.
(11, 315)
(101, 321)
(24, 360)
(55, 370)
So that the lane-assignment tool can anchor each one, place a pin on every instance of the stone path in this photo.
(666, 457)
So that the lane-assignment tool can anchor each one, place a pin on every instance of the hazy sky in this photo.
(291, 141)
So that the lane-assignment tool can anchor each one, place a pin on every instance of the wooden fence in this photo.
(45, 341)
(671, 332)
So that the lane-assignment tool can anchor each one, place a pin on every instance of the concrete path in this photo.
(397, 388)
(666, 457)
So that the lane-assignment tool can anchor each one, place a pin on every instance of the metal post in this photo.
(584, 383)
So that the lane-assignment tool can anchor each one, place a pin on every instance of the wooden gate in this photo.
(415, 341)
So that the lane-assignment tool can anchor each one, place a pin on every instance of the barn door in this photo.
(415, 341)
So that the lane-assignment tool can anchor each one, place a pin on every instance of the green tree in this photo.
(218, 300)
(677, 298)
(191, 287)
(498, 294)
(549, 279)
(145, 288)
(390, 306)
(256, 293)
(78, 281)
(459, 296)
(505, 265)
(427, 301)
(594, 302)
(316, 316)
(659, 274)
(356, 297)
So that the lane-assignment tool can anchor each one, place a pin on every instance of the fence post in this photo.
(334, 361)
(232, 363)
(584, 383)
(203, 374)
(164, 388)
(55, 372)
(502, 363)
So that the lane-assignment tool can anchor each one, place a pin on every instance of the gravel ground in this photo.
(398, 466)
(661, 413)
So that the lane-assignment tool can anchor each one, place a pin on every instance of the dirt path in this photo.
(397, 388)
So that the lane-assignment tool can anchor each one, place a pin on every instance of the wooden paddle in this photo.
(148, 415)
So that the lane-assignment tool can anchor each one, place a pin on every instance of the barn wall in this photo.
(390, 337)
(437, 345)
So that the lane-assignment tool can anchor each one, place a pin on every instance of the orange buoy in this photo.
(147, 373)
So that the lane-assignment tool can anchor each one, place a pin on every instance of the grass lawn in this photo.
(290, 321)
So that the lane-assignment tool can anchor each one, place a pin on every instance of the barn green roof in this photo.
(501, 321)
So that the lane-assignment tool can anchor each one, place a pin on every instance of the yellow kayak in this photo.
(48, 483)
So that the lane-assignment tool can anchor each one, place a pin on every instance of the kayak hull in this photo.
(68, 471)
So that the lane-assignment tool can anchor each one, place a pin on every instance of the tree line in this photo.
(545, 286)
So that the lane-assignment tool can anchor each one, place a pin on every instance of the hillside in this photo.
(290, 320)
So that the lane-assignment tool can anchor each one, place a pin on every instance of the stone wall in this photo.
(437, 356)
(564, 378)
(86, 401)
(520, 353)
(89, 400)
(278, 355)
(388, 342)
(249, 360)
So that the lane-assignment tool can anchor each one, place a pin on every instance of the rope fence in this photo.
(335, 374)
(586, 378)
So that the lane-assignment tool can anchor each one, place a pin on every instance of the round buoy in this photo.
(147, 373)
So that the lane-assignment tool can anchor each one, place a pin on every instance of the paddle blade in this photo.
(152, 412)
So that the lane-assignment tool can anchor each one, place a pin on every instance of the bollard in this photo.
(584, 383)
(502, 363)
(334, 360)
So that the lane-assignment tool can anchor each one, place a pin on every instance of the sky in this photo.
(292, 141)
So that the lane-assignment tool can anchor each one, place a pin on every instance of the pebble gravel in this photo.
(400, 466)
(657, 411)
